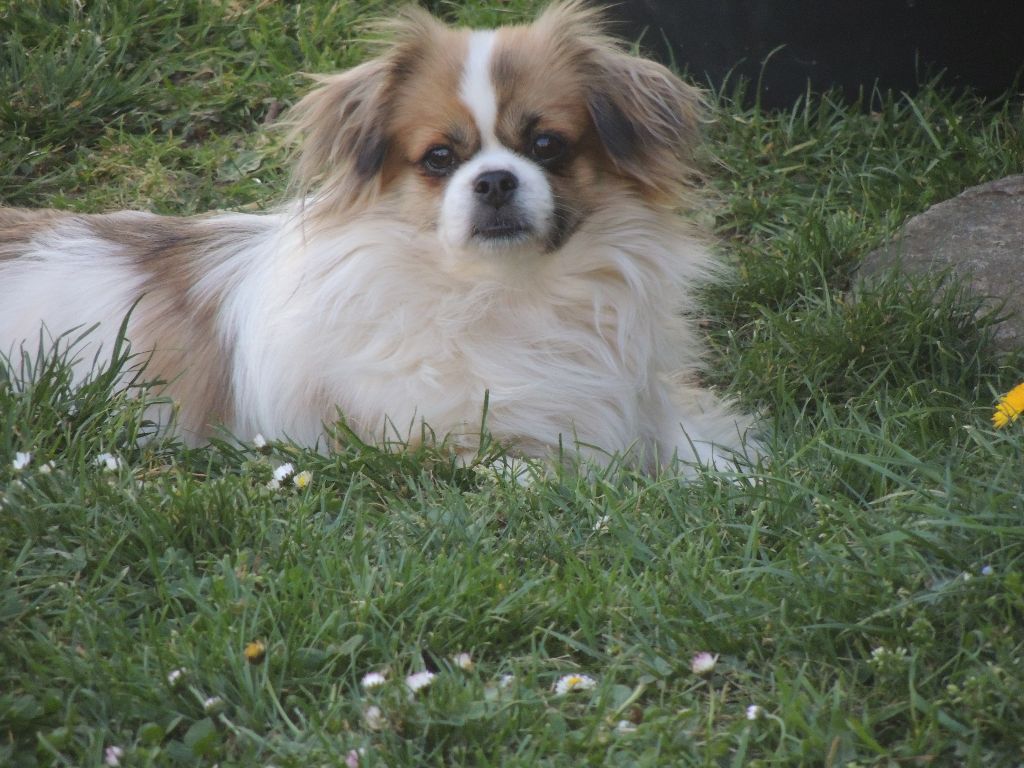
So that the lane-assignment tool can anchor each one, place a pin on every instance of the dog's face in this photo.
(502, 142)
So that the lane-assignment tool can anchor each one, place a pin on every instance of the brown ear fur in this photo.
(341, 129)
(646, 117)
(342, 125)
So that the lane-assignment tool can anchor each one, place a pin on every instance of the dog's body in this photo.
(466, 226)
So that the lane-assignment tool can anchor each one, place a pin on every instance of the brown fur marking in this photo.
(19, 226)
(171, 324)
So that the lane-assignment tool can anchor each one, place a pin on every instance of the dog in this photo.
(484, 234)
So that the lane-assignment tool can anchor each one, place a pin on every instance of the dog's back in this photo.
(62, 274)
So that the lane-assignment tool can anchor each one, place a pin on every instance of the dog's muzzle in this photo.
(497, 214)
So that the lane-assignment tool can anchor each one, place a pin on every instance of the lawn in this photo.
(865, 594)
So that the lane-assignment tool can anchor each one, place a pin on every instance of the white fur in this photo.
(68, 280)
(374, 323)
(476, 89)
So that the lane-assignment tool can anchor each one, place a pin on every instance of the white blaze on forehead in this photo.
(476, 88)
(533, 204)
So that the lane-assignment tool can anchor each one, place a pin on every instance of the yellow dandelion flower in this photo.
(255, 651)
(1010, 406)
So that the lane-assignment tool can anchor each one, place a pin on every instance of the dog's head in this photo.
(500, 141)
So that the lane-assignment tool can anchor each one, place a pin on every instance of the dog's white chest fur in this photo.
(397, 338)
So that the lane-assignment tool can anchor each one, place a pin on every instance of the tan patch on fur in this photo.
(425, 107)
(426, 112)
(177, 329)
(19, 226)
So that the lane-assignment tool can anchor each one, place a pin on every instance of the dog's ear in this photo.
(647, 119)
(342, 126)
(341, 130)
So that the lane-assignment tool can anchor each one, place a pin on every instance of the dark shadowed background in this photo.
(847, 44)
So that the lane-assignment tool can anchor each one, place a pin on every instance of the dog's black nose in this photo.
(495, 188)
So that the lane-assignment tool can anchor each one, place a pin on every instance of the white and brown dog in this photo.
(476, 212)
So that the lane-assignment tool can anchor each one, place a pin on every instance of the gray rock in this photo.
(978, 237)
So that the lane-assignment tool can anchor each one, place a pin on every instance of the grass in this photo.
(866, 593)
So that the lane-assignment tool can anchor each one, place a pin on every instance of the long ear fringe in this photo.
(579, 18)
(648, 119)
(340, 126)
(339, 131)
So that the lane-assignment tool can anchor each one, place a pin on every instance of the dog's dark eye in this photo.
(547, 148)
(439, 160)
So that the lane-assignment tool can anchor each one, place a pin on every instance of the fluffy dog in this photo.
(478, 214)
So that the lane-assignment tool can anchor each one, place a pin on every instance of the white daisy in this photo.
(175, 676)
(487, 473)
(107, 461)
(112, 755)
(47, 468)
(570, 683)
(259, 442)
(625, 726)
(703, 663)
(419, 680)
(463, 661)
(283, 472)
(21, 460)
(374, 718)
(213, 704)
(754, 712)
(372, 680)
(302, 479)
